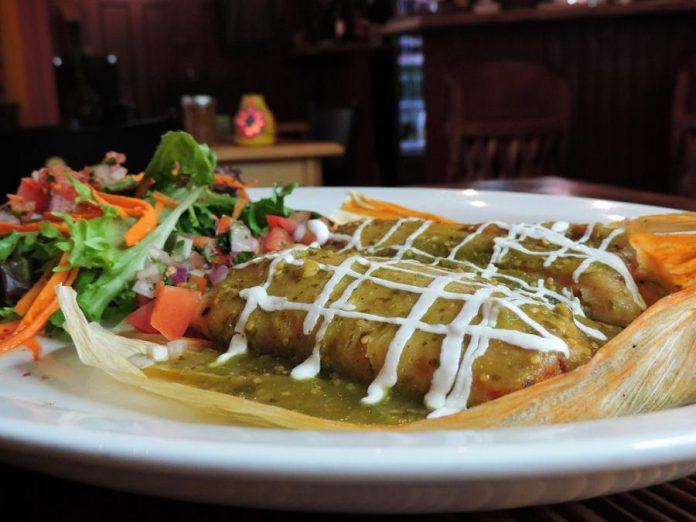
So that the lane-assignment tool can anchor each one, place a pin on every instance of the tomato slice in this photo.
(141, 318)
(277, 239)
(173, 311)
(286, 224)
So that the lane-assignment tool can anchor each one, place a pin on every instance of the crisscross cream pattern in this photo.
(465, 338)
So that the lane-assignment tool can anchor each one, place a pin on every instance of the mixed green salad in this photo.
(140, 247)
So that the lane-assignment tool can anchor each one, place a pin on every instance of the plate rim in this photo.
(129, 450)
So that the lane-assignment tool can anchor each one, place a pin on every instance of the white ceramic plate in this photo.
(65, 419)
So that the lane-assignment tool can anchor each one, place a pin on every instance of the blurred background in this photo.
(358, 92)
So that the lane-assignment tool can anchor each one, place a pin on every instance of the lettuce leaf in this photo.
(195, 160)
(254, 214)
(94, 243)
(96, 292)
(40, 247)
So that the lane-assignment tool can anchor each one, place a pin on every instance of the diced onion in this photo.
(300, 231)
(177, 348)
(183, 248)
(319, 229)
(141, 360)
(241, 239)
(149, 274)
(160, 255)
(180, 275)
(158, 352)
(218, 274)
(144, 288)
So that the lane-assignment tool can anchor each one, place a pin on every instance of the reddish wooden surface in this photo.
(27, 69)
(165, 45)
(621, 71)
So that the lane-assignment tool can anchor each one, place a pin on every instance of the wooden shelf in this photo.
(544, 13)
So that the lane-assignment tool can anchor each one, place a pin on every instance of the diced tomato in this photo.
(141, 318)
(221, 259)
(142, 299)
(308, 238)
(173, 311)
(196, 260)
(203, 241)
(199, 282)
(286, 224)
(37, 192)
(277, 239)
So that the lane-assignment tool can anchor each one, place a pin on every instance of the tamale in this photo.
(401, 323)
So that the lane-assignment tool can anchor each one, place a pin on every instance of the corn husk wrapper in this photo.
(650, 366)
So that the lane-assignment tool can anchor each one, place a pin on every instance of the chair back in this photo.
(333, 124)
(507, 118)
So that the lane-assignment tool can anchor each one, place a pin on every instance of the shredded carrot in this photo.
(25, 302)
(98, 197)
(229, 181)
(35, 226)
(125, 202)
(158, 286)
(164, 199)
(377, 208)
(38, 313)
(135, 207)
(138, 177)
(8, 328)
(46, 293)
(159, 206)
(33, 346)
(238, 207)
(146, 224)
(24, 334)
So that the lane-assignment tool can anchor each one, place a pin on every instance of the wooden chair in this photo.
(507, 119)
(684, 131)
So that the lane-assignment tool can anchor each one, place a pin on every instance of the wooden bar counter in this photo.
(620, 63)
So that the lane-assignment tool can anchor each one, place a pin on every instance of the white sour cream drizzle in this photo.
(451, 383)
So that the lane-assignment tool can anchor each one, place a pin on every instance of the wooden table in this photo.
(284, 162)
(33, 496)
(566, 187)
